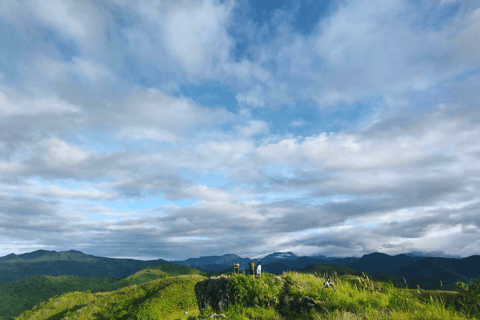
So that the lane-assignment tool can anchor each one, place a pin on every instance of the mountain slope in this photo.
(156, 299)
(227, 260)
(22, 294)
(447, 270)
(41, 262)
(378, 263)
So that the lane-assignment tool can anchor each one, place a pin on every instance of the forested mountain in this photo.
(378, 263)
(72, 262)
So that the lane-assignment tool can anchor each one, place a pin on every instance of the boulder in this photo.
(213, 293)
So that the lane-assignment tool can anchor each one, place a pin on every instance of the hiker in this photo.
(328, 284)
(259, 269)
(252, 268)
(236, 266)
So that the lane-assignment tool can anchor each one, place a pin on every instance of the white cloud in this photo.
(15, 104)
(298, 123)
(60, 154)
(254, 127)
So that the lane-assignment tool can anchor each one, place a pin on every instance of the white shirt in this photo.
(259, 269)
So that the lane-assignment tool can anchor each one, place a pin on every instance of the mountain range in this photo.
(419, 268)
(52, 263)
(428, 271)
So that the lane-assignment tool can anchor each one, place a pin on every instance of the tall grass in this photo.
(351, 298)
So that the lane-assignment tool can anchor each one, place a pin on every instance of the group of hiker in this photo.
(236, 267)
(236, 270)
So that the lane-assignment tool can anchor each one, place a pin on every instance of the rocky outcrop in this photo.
(213, 292)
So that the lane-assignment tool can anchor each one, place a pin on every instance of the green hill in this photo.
(151, 273)
(297, 295)
(293, 295)
(75, 263)
(22, 294)
(156, 299)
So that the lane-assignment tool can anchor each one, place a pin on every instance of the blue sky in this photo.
(176, 129)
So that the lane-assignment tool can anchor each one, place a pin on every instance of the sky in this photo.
(184, 128)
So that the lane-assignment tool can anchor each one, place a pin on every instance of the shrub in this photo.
(253, 292)
(470, 297)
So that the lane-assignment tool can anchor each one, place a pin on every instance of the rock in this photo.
(213, 293)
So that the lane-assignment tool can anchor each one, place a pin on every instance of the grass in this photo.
(352, 298)
(293, 295)
(23, 294)
(157, 299)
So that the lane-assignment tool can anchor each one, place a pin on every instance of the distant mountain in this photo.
(430, 268)
(377, 263)
(429, 273)
(227, 260)
(278, 257)
(44, 255)
(445, 269)
(72, 262)
(276, 262)
(432, 254)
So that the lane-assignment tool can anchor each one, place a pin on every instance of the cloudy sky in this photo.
(180, 128)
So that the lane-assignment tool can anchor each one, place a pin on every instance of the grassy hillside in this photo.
(151, 273)
(302, 296)
(20, 295)
(293, 295)
(23, 294)
(156, 299)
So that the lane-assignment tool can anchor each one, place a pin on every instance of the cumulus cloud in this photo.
(106, 148)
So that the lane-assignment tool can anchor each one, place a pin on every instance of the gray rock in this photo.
(213, 292)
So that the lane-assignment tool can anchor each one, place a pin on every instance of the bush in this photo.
(252, 292)
(470, 297)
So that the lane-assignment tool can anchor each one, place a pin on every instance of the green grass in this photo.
(353, 298)
(156, 299)
(23, 294)
(152, 294)
(20, 295)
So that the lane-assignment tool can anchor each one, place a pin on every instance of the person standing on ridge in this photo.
(236, 266)
(259, 269)
(252, 268)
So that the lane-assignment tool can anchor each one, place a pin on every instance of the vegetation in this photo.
(470, 297)
(162, 293)
(23, 294)
(302, 296)
(20, 295)
(156, 299)
(75, 263)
